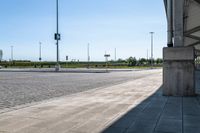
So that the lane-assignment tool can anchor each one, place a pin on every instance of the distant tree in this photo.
(151, 61)
(142, 61)
(159, 61)
(120, 60)
(132, 61)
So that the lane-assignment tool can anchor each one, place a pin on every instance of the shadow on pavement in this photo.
(160, 114)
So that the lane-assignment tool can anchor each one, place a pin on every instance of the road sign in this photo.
(106, 55)
(57, 36)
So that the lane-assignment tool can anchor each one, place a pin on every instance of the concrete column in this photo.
(178, 12)
(179, 71)
(169, 7)
(179, 66)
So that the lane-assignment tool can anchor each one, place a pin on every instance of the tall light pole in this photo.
(115, 54)
(11, 53)
(57, 36)
(1, 55)
(106, 59)
(152, 33)
(40, 51)
(88, 54)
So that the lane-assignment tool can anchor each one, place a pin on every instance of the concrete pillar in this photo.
(169, 7)
(178, 12)
(179, 66)
(179, 71)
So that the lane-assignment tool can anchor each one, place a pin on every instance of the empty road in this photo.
(19, 88)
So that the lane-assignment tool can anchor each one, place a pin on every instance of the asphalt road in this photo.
(18, 88)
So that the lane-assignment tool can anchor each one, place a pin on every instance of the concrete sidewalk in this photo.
(134, 107)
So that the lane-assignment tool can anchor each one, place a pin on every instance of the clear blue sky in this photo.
(105, 24)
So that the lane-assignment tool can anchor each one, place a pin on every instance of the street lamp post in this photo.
(152, 33)
(57, 37)
(115, 54)
(88, 54)
(11, 53)
(40, 51)
(106, 59)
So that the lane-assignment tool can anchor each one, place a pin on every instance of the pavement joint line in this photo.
(71, 117)
(198, 100)
(79, 125)
(118, 116)
(109, 121)
(159, 118)
(146, 105)
(114, 119)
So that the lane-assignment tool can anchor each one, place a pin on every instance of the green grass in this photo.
(112, 65)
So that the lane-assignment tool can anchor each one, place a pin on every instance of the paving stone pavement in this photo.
(133, 107)
(19, 88)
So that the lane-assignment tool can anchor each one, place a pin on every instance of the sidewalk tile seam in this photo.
(160, 115)
(137, 118)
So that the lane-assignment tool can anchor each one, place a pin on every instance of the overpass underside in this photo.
(181, 57)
